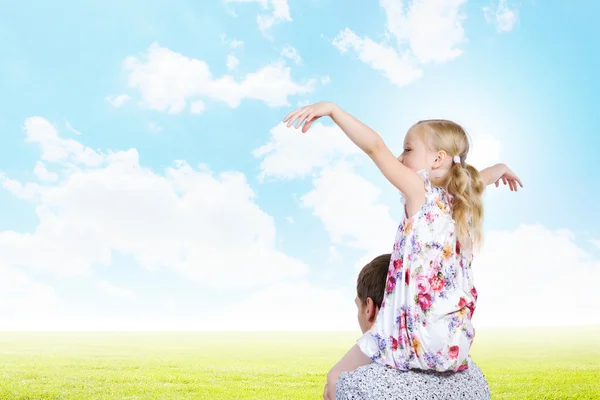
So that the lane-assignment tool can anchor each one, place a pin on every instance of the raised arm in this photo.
(491, 174)
(498, 172)
(369, 141)
(404, 179)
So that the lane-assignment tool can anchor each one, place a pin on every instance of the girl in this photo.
(425, 318)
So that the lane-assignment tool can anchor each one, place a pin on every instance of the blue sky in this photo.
(148, 184)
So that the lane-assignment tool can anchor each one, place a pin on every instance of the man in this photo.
(376, 381)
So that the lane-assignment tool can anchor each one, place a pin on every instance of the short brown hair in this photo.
(372, 280)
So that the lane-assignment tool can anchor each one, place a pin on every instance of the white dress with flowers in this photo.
(425, 319)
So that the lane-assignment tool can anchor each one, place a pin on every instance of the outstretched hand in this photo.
(511, 179)
(309, 114)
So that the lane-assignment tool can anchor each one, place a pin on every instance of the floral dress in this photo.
(425, 318)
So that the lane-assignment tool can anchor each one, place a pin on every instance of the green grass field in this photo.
(550, 363)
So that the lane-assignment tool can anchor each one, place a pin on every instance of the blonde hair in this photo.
(463, 181)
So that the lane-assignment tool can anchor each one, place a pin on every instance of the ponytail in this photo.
(465, 185)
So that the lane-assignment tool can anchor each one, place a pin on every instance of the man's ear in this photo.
(371, 309)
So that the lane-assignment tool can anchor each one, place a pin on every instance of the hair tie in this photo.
(456, 159)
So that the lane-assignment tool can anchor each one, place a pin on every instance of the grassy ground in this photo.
(531, 364)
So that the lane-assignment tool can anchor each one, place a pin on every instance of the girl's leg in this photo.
(353, 359)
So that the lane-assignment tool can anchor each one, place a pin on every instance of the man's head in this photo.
(370, 288)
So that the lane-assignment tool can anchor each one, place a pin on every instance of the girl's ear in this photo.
(440, 158)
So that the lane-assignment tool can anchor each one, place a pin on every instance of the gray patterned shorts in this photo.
(376, 381)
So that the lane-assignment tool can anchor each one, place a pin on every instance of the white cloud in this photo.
(167, 80)
(325, 80)
(115, 290)
(396, 67)
(118, 100)
(290, 219)
(536, 276)
(346, 203)
(231, 43)
(27, 191)
(290, 154)
(291, 53)
(69, 154)
(432, 29)
(197, 107)
(280, 12)
(154, 127)
(75, 131)
(43, 174)
(24, 301)
(298, 307)
(504, 17)
(334, 253)
(425, 31)
(595, 242)
(485, 150)
(54, 149)
(185, 219)
(232, 62)
(350, 210)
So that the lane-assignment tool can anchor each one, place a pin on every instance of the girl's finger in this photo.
(289, 115)
(308, 122)
(307, 125)
(518, 180)
(307, 112)
(301, 119)
(293, 118)
(286, 117)
(300, 112)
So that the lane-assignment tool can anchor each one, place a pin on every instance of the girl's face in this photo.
(416, 155)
